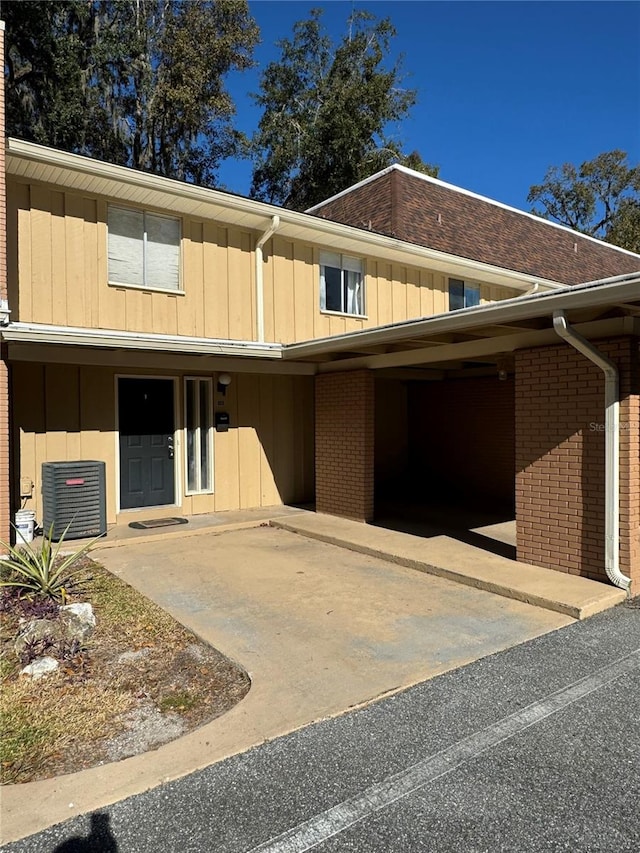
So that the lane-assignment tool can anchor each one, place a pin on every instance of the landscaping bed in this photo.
(140, 680)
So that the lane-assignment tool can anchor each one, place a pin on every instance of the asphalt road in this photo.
(533, 749)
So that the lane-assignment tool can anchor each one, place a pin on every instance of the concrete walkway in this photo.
(465, 564)
(320, 629)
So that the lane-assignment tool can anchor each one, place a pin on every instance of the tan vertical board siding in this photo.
(58, 260)
(19, 258)
(398, 293)
(267, 429)
(28, 403)
(240, 283)
(440, 293)
(226, 452)
(40, 256)
(62, 411)
(385, 287)
(304, 305)
(190, 315)
(248, 449)
(76, 279)
(371, 291)
(268, 291)
(283, 290)
(98, 420)
(304, 396)
(93, 251)
(63, 275)
(426, 293)
(216, 282)
(66, 413)
(413, 293)
(283, 440)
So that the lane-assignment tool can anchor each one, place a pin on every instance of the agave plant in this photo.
(40, 572)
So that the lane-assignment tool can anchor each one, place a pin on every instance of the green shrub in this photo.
(40, 572)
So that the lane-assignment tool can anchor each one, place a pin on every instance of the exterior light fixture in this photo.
(224, 380)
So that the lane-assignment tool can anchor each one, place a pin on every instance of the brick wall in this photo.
(5, 509)
(462, 438)
(560, 483)
(345, 444)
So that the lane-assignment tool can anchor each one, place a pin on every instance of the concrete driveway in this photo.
(320, 629)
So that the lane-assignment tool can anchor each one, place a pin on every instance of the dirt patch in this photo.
(140, 681)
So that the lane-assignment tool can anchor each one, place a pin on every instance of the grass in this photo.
(139, 656)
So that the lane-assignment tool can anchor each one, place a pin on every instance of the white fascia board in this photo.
(40, 333)
(461, 191)
(593, 294)
(41, 163)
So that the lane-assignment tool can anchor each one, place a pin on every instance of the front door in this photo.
(146, 427)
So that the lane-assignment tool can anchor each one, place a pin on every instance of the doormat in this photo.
(157, 522)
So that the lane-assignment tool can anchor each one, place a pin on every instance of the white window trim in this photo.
(188, 492)
(149, 288)
(342, 267)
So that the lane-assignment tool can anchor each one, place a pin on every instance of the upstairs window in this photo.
(341, 284)
(463, 295)
(144, 249)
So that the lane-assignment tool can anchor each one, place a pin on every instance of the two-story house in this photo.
(405, 338)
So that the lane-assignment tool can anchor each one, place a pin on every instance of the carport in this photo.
(487, 409)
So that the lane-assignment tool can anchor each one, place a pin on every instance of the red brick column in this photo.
(560, 470)
(345, 444)
(5, 507)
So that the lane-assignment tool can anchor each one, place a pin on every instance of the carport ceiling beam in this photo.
(471, 349)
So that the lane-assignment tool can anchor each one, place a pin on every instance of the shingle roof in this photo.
(405, 204)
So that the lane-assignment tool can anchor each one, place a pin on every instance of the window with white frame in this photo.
(198, 401)
(341, 284)
(462, 294)
(144, 249)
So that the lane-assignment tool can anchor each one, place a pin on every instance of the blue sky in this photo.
(505, 89)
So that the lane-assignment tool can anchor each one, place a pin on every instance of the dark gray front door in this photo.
(145, 423)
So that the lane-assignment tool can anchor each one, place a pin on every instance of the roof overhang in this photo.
(607, 307)
(82, 174)
(41, 333)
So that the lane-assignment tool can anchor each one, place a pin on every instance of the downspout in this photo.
(612, 446)
(275, 224)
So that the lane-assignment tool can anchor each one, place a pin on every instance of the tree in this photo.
(135, 82)
(325, 112)
(601, 198)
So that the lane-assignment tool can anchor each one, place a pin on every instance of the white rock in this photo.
(83, 610)
(79, 620)
(40, 667)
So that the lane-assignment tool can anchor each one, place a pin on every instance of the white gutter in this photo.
(525, 307)
(612, 446)
(40, 333)
(268, 234)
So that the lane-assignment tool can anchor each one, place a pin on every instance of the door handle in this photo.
(170, 446)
